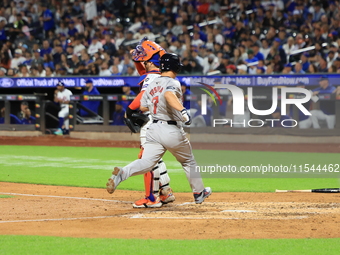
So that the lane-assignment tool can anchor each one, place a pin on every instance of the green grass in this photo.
(61, 245)
(5, 196)
(90, 167)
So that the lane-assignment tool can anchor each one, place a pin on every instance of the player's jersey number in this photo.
(155, 102)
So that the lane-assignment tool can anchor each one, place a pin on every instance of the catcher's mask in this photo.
(148, 51)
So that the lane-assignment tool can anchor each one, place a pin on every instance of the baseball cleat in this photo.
(166, 196)
(147, 203)
(59, 131)
(199, 197)
(114, 180)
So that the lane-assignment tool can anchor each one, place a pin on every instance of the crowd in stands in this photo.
(93, 37)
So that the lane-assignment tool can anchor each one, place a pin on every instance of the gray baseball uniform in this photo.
(162, 136)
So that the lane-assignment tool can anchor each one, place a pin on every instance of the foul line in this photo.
(81, 218)
(141, 216)
(80, 198)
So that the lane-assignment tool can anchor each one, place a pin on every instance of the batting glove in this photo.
(186, 117)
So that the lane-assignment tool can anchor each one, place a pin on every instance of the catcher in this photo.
(157, 190)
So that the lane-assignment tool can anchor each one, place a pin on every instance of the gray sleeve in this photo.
(144, 99)
(174, 87)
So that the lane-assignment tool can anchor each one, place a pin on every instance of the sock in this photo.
(61, 122)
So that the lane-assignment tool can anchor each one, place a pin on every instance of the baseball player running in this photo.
(156, 182)
(162, 98)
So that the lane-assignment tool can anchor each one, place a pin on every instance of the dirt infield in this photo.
(87, 212)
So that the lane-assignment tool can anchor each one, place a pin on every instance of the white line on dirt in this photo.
(141, 216)
(80, 218)
(241, 211)
(81, 198)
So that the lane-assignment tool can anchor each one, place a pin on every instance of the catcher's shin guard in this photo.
(164, 180)
(151, 184)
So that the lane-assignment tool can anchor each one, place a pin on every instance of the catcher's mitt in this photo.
(135, 121)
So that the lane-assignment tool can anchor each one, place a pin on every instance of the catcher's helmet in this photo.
(170, 62)
(147, 51)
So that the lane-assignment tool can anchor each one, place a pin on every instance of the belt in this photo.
(169, 122)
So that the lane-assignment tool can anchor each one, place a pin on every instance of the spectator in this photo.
(85, 58)
(37, 59)
(23, 108)
(210, 63)
(72, 30)
(47, 18)
(2, 72)
(92, 105)
(199, 120)
(93, 69)
(118, 114)
(115, 71)
(257, 53)
(289, 47)
(34, 72)
(57, 54)
(46, 49)
(109, 46)
(90, 11)
(62, 97)
(104, 69)
(126, 88)
(28, 118)
(280, 120)
(231, 69)
(224, 64)
(298, 68)
(264, 49)
(330, 58)
(49, 72)
(287, 69)
(18, 59)
(41, 69)
(322, 68)
(62, 30)
(28, 61)
(242, 69)
(48, 61)
(260, 70)
(305, 62)
(95, 46)
(23, 71)
(13, 119)
(78, 46)
(251, 57)
(327, 107)
(5, 60)
(186, 92)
